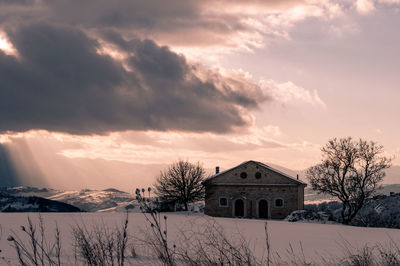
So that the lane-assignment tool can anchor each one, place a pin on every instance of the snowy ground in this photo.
(317, 240)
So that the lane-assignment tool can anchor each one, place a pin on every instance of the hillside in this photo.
(98, 200)
(10, 203)
(312, 197)
(86, 199)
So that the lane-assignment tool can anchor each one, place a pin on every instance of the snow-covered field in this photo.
(316, 240)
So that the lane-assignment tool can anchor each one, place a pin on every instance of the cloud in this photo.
(16, 2)
(222, 26)
(196, 27)
(77, 161)
(365, 6)
(149, 146)
(61, 83)
(289, 93)
(390, 2)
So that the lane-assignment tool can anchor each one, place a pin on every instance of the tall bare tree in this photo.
(181, 182)
(351, 171)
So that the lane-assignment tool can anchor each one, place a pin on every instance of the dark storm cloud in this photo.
(175, 22)
(124, 13)
(60, 82)
(16, 2)
(158, 14)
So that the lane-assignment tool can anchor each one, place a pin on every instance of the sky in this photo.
(97, 94)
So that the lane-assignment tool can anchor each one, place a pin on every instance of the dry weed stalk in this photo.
(102, 246)
(38, 251)
(158, 238)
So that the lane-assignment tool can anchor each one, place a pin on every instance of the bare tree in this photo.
(181, 182)
(351, 171)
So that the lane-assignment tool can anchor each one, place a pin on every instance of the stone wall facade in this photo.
(292, 198)
(263, 193)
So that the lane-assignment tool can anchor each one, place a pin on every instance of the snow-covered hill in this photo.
(10, 203)
(98, 200)
(312, 197)
(23, 191)
(87, 200)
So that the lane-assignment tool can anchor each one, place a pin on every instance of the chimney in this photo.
(217, 170)
(297, 176)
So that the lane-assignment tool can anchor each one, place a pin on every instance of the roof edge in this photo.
(260, 164)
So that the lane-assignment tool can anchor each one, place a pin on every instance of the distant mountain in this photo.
(113, 190)
(387, 189)
(392, 174)
(24, 191)
(391, 183)
(312, 197)
(110, 199)
(98, 200)
(11, 203)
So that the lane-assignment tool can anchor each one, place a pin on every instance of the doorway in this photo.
(263, 209)
(239, 208)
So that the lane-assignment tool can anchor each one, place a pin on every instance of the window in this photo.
(258, 175)
(279, 203)
(223, 202)
(243, 175)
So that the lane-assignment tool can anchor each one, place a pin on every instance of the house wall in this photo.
(270, 186)
(251, 195)
(300, 197)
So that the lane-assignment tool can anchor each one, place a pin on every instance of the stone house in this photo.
(253, 190)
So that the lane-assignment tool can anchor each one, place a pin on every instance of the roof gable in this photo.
(266, 175)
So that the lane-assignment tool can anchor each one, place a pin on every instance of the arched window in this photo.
(258, 175)
(243, 175)
(279, 203)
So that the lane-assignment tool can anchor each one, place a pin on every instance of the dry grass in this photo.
(33, 248)
(209, 245)
(101, 246)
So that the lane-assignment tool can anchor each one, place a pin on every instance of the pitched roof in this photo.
(260, 164)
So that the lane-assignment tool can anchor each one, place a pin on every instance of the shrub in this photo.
(34, 248)
(102, 246)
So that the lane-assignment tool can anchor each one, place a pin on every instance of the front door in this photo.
(263, 209)
(239, 208)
